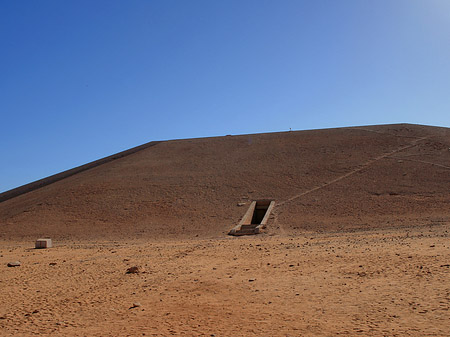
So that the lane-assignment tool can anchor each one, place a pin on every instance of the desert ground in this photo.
(357, 245)
(375, 283)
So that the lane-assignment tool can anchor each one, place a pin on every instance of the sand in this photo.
(377, 283)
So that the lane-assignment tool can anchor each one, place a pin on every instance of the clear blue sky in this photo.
(80, 80)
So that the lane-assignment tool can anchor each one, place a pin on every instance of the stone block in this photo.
(43, 243)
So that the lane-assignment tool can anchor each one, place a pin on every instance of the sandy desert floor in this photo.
(389, 282)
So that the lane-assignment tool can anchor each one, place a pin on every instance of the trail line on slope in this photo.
(364, 166)
(387, 133)
(421, 161)
(276, 222)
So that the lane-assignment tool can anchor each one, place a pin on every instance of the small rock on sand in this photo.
(133, 270)
(14, 264)
(135, 305)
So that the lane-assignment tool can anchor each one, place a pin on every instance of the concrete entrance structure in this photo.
(255, 219)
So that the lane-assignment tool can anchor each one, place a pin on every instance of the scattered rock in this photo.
(240, 204)
(252, 280)
(133, 270)
(135, 305)
(52, 264)
(14, 264)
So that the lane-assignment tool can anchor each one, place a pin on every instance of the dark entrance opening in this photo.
(255, 219)
(260, 211)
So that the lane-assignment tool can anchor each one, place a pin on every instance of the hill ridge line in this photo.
(15, 192)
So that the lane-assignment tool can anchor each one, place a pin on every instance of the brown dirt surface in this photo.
(375, 283)
(358, 243)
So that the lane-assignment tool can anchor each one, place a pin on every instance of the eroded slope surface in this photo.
(322, 180)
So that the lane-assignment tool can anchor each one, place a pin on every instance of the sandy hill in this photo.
(322, 180)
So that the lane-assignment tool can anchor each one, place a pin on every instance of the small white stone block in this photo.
(43, 243)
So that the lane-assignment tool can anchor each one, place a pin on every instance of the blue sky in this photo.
(80, 80)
